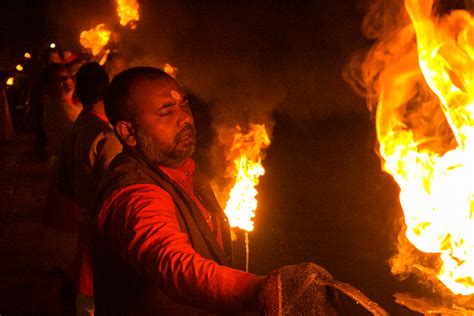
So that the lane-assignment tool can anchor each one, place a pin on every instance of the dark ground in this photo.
(324, 199)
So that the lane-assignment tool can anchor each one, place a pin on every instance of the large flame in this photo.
(127, 11)
(425, 126)
(246, 169)
(95, 39)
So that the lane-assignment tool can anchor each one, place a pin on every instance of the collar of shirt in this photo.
(101, 116)
(183, 175)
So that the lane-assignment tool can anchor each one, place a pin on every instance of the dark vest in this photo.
(118, 288)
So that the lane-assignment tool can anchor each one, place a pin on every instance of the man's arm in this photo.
(140, 222)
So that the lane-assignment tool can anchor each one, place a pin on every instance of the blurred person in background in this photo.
(116, 63)
(61, 212)
(60, 108)
(85, 154)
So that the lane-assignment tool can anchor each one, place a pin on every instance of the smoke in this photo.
(248, 60)
(385, 22)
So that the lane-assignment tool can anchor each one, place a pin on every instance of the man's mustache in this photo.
(187, 129)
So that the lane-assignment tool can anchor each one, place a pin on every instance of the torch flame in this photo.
(127, 11)
(246, 170)
(425, 127)
(95, 39)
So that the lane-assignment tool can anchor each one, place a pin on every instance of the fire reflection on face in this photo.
(164, 125)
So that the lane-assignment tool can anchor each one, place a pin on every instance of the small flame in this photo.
(27, 55)
(19, 67)
(246, 169)
(127, 11)
(170, 70)
(10, 81)
(95, 39)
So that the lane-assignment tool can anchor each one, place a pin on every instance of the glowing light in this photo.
(27, 55)
(170, 70)
(52, 45)
(246, 169)
(19, 67)
(95, 39)
(10, 81)
(127, 10)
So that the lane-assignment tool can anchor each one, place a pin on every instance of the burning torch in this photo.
(245, 169)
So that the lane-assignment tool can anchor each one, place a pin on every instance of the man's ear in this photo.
(126, 132)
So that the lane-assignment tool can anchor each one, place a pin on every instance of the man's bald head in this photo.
(118, 99)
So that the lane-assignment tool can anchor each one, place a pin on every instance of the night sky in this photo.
(257, 56)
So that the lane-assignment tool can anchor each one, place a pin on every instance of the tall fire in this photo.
(420, 81)
(244, 170)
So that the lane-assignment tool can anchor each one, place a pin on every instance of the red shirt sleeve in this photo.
(140, 222)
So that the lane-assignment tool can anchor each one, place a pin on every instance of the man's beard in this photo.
(170, 156)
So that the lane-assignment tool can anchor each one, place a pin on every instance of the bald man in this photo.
(163, 243)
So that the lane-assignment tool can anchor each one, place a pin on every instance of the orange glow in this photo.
(170, 70)
(245, 170)
(19, 67)
(27, 55)
(127, 11)
(10, 81)
(425, 127)
(95, 39)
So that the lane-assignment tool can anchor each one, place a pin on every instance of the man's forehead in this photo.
(158, 88)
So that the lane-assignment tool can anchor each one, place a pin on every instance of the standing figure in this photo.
(60, 109)
(163, 245)
(85, 155)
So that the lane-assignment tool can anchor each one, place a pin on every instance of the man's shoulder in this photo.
(87, 131)
(88, 123)
(124, 171)
(132, 198)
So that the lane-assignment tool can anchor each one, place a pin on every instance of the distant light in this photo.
(52, 45)
(170, 70)
(19, 67)
(10, 81)
(27, 55)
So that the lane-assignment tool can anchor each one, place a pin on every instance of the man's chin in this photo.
(186, 146)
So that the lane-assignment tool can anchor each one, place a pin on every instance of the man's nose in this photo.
(185, 116)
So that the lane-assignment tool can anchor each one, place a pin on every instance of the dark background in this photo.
(324, 197)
